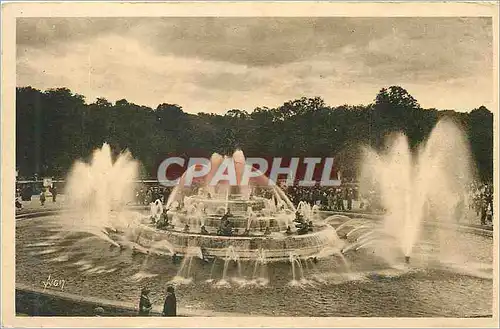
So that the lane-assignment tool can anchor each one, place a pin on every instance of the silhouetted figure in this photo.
(298, 217)
(163, 222)
(489, 212)
(340, 201)
(42, 198)
(302, 228)
(350, 196)
(226, 225)
(203, 230)
(483, 213)
(144, 303)
(226, 229)
(170, 305)
(310, 226)
(267, 231)
(54, 193)
(288, 230)
(186, 228)
(19, 205)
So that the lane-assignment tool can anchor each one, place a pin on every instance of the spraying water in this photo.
(231, 255)
(430, 184)
(296, 267)
(100, 190)
(260, 264)
(185, 269)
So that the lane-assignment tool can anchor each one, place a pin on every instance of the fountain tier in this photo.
(323, 242)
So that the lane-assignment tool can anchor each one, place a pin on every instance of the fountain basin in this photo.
(277, 246)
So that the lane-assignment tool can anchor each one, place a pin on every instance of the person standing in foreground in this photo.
(144, 303)
(170, 306)
(42, 197)
(54, 193)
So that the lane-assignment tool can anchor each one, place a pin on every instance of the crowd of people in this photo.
(144, 194)
(327, 198)
(341, 199)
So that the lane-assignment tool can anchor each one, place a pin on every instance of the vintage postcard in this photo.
(249, 164)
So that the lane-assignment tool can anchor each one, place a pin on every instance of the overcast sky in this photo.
(215, 64)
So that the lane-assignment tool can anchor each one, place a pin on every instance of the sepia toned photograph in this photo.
(275, 165)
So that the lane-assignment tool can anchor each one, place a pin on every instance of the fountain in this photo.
(99, 193)
(427, 185)
(244, 218)
(251, 223)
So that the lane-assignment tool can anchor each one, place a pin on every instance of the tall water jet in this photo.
(434, 177)
(100, 190)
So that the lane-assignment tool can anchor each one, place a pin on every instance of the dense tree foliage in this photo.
(56, 126)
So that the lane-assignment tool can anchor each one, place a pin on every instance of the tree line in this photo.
(55, 127)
